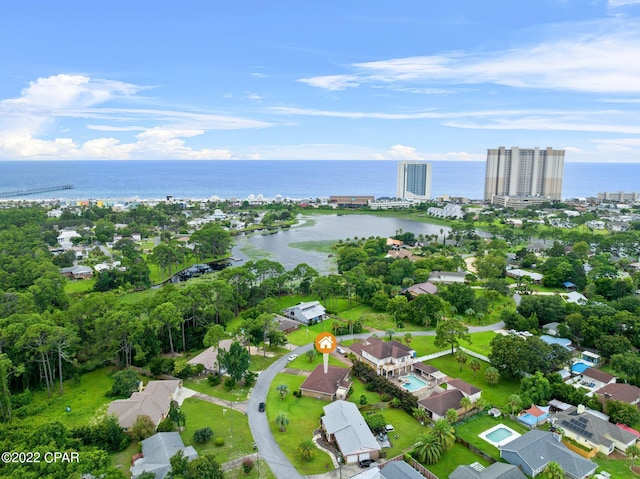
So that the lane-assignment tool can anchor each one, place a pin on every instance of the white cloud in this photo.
(595, 59)
(402, 152)
(621, 3)
(25, 123)
(253, 96)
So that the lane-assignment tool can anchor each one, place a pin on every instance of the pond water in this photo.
(276, 247)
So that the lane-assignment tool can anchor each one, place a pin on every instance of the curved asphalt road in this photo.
(268, 448)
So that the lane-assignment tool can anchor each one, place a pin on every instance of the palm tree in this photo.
(465, 403)
(451, 416)
(492, 376)
(408, 338)
(475, 366)
(311, 355)
(426, 449)
(481, 404)
(283, 389)
(421, 415)
(514, 403)
(633, 453)
(553, 471)
(282, 421)
(390, 333)
(307, 449)
(461, 358)
(445, 434)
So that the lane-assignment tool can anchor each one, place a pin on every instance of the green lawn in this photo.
(457, 456)
(260, 471)
(86, 400)
(302, 362)
(496, 395)
(79, 286)
(477, 424)
(122, 459)
(227, 423)
(323, 246)
(479, 342)
(615, 467)
(304, 414)
(219, 391)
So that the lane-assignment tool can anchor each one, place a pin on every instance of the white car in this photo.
(292, 357)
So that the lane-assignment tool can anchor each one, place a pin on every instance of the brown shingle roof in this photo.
(598, 375)
(620, 392)
(463, 386)
(440, 403)
(382, 349)
(427, 368)
(328, 383)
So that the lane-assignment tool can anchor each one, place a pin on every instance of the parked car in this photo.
(339, 350)
(365, 463)
(261, 407)
(292, 357)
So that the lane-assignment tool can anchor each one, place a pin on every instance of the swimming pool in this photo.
(499, 435)
(579, 367)
(413, 383)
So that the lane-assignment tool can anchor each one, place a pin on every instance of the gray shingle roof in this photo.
(498, 470)
(399, 470)
(596, 430)
(157, 450)
(345, 422)
(538, 448)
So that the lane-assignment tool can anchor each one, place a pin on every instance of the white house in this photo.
(307, 313)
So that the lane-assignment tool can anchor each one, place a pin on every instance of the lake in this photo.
(276, 247)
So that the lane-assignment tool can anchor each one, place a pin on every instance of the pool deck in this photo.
(514, 435)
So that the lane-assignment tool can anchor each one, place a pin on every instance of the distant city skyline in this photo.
(331, 80)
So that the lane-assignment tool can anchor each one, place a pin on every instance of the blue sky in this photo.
(352, 79)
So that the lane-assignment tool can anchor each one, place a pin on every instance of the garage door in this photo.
(352, 459)
(362, 457)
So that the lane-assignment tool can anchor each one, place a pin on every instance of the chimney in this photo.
(581, 408)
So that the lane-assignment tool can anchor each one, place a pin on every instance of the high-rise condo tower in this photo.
(523, 174)
(414, 180)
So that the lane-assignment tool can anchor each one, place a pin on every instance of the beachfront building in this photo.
(414, 180)
(523, 175)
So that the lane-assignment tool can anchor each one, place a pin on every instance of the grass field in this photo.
(453, 458)
(79, 286)
(496, 395)
(470, 429)
(323, 246)
(227, 423)
(201, 385)
(86, 400)
(304, 414)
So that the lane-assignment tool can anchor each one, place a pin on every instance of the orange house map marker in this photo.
(326, 343)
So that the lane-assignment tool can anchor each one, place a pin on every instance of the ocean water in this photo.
(293, 179)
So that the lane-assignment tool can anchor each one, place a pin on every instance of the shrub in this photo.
(363, 399)
(219, 442)
(214, 379)
(202, 435)
(166, 425)
(247, 465)
(229, 383)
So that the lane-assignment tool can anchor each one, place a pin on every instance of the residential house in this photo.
(334, 384)
(468, 390)
(533, 451)
(343, 424)
(447, 277)
(153, 401)
(619, 392)
(209, 357)
(433, 375)
(398, 470)
(438, 403)
(306, 313)
(518, 274)
(575, 298)
(596, 379)
(421, 288)
(65, 238)
(388, 358)
(77, 272)
(497, 470)
(593, 431)
(286, 325)
(157, 451)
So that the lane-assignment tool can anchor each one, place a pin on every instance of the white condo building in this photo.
(524, 173)
(414, 180)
